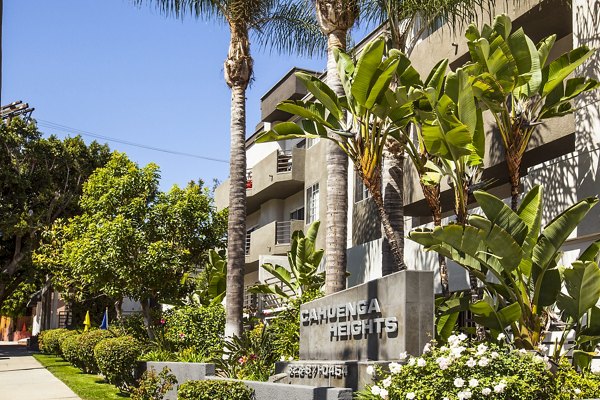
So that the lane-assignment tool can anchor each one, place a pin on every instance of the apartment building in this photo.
(287, 180)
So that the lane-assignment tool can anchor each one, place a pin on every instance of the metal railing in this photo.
(247, 247)
(284, 161)
(283, 232)
(65, 319)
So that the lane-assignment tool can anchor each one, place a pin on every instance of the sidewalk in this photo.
(22, 377)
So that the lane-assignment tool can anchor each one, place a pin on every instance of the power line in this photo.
(68, 129)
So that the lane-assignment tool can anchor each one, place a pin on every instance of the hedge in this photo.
(212, 390)
(87, 343)
(117, 360)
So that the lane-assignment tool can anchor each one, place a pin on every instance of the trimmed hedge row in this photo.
(212, 390)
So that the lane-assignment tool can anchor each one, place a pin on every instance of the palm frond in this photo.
(291, 27)
(201, 9)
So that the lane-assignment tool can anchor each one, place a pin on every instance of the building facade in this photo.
(287, 180)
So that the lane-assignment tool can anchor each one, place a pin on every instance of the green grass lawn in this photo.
(88, 387)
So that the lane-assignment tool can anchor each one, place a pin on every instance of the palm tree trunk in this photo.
(238, 70)
(393, 207)
(236, 228)
(432, 196)
(337, 187)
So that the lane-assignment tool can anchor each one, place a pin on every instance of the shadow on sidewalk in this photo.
(13, 350)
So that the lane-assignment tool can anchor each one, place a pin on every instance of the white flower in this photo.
(486, 391)
(577, 391)
(445, 398)
(290, 358)
(444, 348)
(482, 348)
(464, 395)
(410, 395)
(457, 351)
(387, 382)
(471, 363)
(495, 354)
(403, 356)
(499, 388)
(282, 358)
(501, 336)
(421, 362)
(411, 362)
(452, 339)
(483, 362)
(462, 337)
(458, 382)
(370, 370)
(427, 348)
(443, 362)
(395, 368)
(383, 393)
(542, 348)
(473, 382)
(376, 390)
(522, 351)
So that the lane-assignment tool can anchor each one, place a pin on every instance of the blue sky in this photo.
(109, 68)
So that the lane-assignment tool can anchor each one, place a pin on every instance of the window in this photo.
(248, 233)
(297, 214)
(360, 190)
(312, 203)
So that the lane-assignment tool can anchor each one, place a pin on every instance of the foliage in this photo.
(514, 80)
(523, 262)
(48, 341)
(132, 325)
(285, 327)
(116, 359)
(210, 390)
(131, 239)
(210, 284)
(69, 348)
(302, 275)
(250, 356)
(572, 384)
(198, 328)
(374, 111)
(463, 370)
(153, 386)
(40, 181)
(155, 354)
(85, 386)
(85, 352)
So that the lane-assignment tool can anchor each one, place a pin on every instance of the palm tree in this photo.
(287, 26)
(336, 18)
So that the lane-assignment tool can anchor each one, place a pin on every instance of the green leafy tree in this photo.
(211, 282)
(40, 181)
(285, 26)
(515, 82)
(132, 240)
(527, 279)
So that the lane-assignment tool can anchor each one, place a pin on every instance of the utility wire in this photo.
(68, 129)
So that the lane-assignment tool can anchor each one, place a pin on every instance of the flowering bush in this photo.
(199, 328)
(464, 370)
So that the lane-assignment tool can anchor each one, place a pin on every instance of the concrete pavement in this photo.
(22, 377)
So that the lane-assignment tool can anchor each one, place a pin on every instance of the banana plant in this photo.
(523, 262)
(303, 274)
(211, 282)
(360, 122)
(579, 308)
(515, 81)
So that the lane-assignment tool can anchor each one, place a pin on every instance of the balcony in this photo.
(271, 239)
(277, 176)
(288, 88)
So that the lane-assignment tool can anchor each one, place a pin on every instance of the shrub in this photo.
(133, 325)
(211, 390)
(159, 355)
(87, 343)
(572, 385)
(465, 371)
(62, 336)
(116, 359)
(48, 341)
(69, 348)
(251, 356)
(200, 328)
(153, 386)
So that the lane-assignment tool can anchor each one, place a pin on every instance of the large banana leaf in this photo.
(582, 282)
(555, 73)
(366, 70)
(323, 93)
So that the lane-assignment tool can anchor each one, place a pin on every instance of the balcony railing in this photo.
(283, 232)
(247, 247)
(284, 161)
